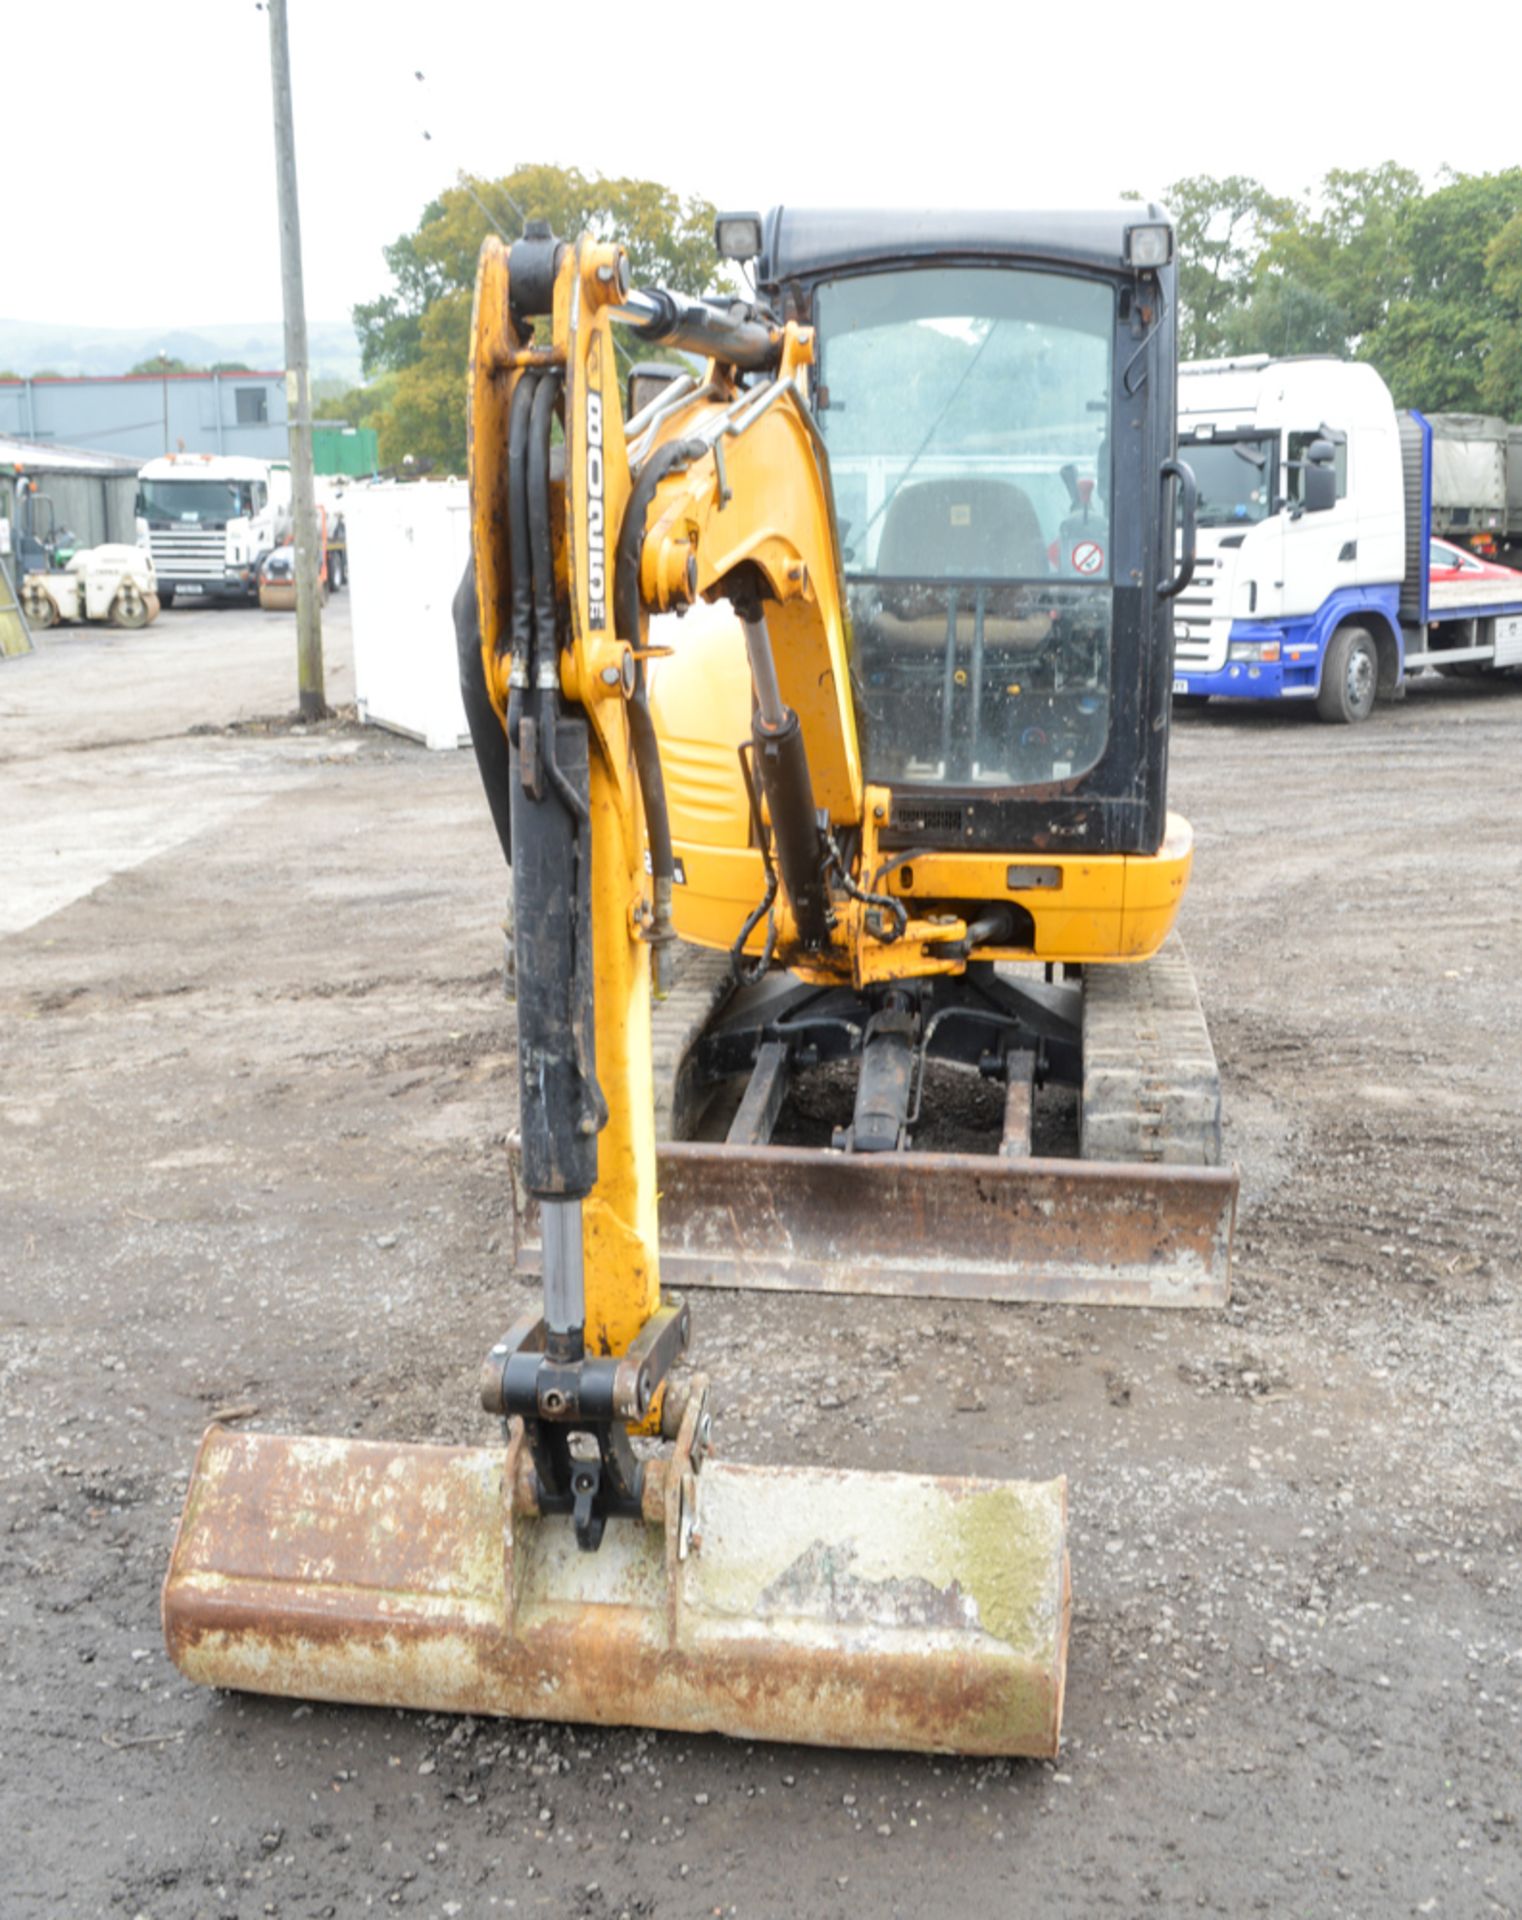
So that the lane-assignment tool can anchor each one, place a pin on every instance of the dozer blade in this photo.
(953, 1226)
(798, 1604)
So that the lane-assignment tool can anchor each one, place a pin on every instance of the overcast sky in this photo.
(141, 151)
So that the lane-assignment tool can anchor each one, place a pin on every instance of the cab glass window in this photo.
(967, 415)
(966, 411)
(1237, 476)
(1297, 445)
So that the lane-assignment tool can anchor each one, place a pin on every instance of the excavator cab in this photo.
(996, 397)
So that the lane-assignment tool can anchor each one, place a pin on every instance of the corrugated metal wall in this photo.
(97, 508)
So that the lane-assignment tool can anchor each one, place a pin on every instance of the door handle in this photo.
(1177, 575)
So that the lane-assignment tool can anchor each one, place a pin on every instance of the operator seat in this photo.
(961, 530)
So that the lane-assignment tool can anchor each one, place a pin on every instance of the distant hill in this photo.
(28, 345)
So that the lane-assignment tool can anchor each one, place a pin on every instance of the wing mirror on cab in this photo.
(1318, 477)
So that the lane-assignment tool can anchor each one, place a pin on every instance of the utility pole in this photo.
(298, 385)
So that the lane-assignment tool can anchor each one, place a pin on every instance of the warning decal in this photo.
(1088, 557)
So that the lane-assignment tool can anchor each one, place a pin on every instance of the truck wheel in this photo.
(1349, 677)
(336, 572)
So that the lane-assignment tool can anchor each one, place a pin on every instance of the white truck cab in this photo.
(209, 519)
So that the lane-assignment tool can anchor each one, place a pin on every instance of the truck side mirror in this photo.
(1318, 477)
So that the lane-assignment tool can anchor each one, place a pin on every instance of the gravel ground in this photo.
(257, 1074)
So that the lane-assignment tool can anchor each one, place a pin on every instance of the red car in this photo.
(1463, 579)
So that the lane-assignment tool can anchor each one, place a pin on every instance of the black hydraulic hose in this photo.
(631, 535)
(747, 976)
(545, 649)
(626, 622)
(521, 626)
(652, 786)
(546, 653)
(879, 902)
(485, 728)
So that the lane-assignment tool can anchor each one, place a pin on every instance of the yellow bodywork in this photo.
(1088, 908)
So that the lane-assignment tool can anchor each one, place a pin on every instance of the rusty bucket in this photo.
(835, 1608)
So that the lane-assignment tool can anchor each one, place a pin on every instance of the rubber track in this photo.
(1151, 1088)
(704, 982)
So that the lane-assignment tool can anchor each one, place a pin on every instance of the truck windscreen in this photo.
(966, 411)
(203, 503)
(1236, 476)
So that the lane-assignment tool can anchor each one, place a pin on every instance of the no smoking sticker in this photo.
(1088, 557)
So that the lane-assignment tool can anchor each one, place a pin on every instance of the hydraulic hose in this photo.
(546, 651)
(626, 621)
(521, 625)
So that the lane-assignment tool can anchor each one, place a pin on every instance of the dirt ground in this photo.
(256, 1076)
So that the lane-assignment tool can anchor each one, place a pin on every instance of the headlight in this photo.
(1149, 246)
(737, 236)
(1267, 650)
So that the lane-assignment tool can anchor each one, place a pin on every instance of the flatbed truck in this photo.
(1314, 529)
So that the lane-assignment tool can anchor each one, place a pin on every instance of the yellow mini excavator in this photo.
(888, 802)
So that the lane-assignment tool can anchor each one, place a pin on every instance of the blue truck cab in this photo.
(1314, 524)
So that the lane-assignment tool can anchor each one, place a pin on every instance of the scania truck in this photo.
(1314, 574)
(209, 520)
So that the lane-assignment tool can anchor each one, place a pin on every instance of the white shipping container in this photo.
(408, 546)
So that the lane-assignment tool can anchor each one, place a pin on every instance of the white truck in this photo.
(209, 520)
(1315, 575)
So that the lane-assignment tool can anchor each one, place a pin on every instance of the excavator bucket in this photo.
(803, 1604)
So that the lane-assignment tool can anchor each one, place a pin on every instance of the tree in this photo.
(229, 366)
(1431, 356)
(1345, 256)
(361, 406)
(1287, 316)
(163, 363)
(420, 330)
(1501, 388)
(1457, 307)
(1221, 228)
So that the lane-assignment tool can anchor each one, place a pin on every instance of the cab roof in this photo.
(805, 243)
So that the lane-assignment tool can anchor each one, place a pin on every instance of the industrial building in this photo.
(92, 494)
(143, 415)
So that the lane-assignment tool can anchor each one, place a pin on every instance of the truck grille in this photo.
(188, 553)
(1192, 612)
